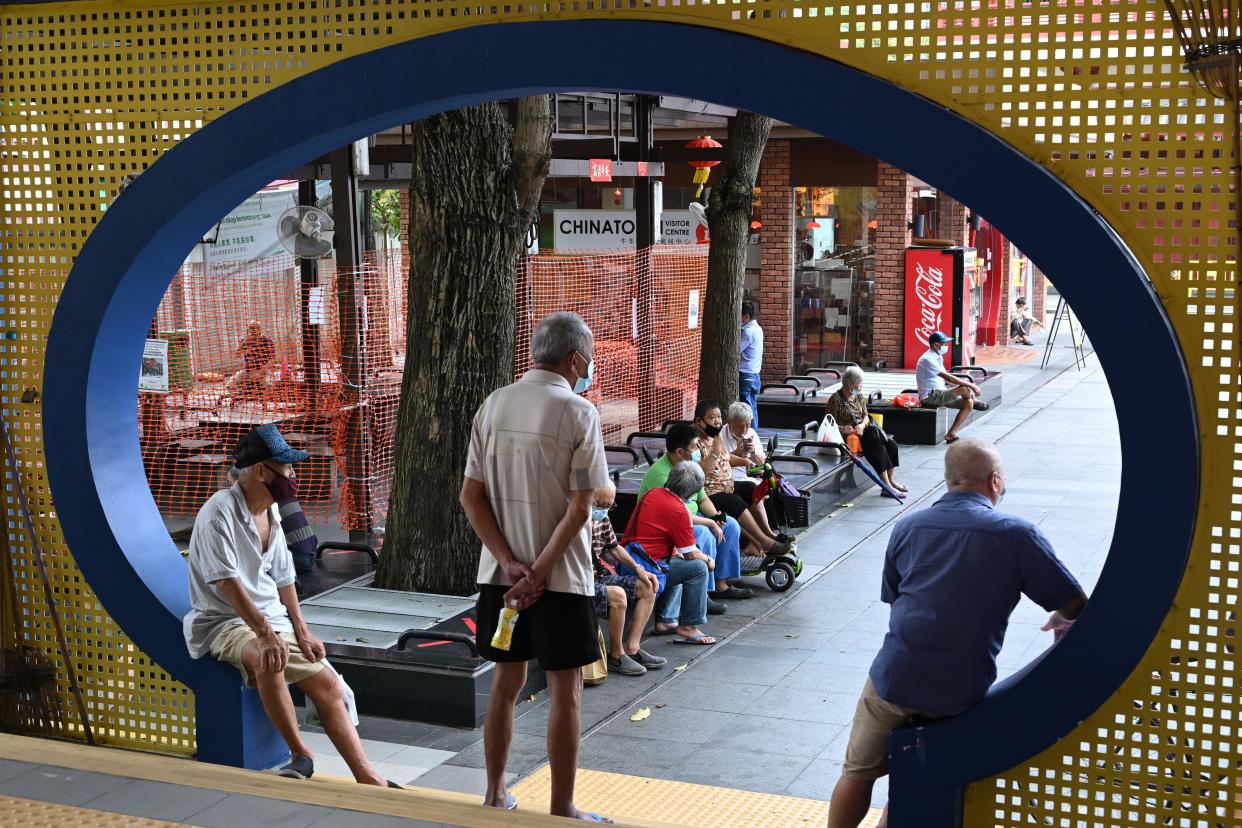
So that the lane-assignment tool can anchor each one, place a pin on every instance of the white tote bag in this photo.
(829, 432)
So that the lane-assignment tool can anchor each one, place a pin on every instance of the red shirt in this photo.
(661, 525)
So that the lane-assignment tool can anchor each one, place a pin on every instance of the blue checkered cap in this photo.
(262, 443)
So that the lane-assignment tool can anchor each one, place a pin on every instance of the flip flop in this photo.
(510, 803)
(695, 639)
(951, 439)
(587, 816)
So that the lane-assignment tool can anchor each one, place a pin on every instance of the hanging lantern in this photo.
(702, 169)
(813, 225)
(756, 224)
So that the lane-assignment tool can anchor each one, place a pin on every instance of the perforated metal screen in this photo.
(1093, 91)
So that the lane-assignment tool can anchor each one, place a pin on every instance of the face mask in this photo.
(583, 383)
(711, 431)
(697, 456)
(599, 513)
(282, 488)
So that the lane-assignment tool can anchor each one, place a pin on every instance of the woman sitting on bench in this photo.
(848, 406)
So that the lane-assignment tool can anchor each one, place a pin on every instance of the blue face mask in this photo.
(599, 513)
(697, 456)
(583, 383)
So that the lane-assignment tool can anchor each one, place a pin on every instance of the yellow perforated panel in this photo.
(93, 91)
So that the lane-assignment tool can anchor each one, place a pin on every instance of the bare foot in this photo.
(897, 486)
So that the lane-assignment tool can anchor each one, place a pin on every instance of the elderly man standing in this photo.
(536, 457)
(751, 360)
(953, 573)
(245, 608)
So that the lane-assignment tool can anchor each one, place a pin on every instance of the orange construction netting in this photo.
(230, 346)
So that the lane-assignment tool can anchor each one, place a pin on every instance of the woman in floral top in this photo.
(848, 406)
(718, 462)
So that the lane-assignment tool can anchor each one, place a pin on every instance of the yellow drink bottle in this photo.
(502, 639)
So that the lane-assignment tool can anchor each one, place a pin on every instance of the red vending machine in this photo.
(944, 292)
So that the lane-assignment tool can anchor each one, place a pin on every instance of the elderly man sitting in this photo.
(661, 525)
(717, 534)
(245, 609)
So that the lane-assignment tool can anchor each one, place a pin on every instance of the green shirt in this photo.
(657, 476)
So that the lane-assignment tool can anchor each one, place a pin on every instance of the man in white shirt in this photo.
(750, 362)
(536, 457)
(933, 392)
(245, 605)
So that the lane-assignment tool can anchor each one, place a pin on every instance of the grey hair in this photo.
(557, 336)
(969, 462)
(685, 479)
(852, 376)
(740, 412)
(233, 474)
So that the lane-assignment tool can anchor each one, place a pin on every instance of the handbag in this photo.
(644, 560)
(906, 400)
(595, 672)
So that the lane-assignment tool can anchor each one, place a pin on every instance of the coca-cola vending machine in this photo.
(943, 293)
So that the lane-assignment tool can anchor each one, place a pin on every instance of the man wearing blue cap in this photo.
(933, 391)
(245, 606)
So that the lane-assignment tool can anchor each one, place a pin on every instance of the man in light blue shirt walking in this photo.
(751, 362)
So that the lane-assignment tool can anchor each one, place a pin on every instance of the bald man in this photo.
(952, 574)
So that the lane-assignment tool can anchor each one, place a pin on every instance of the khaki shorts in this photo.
(228, 646)
(866, 756)
(942, 398)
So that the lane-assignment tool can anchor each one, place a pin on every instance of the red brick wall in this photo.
(953, 223)
(776, 252)
(1006, 288)
(1039, 295)
(892, 238)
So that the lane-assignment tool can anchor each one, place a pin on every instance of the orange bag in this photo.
(854, 444)
(907, 400)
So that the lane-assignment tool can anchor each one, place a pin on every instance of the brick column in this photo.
(404, 236)
(1039, 294)
(953, 223)
(776, 255)
(1006, 289)
(892, 238)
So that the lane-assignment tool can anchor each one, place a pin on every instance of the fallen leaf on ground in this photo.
(682, 667)
(846, 505)
(643, 713)
(658, 706)
(531, 698)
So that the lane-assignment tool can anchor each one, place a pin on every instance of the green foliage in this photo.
(386, 211)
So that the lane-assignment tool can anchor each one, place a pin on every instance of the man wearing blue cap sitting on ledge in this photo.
(245, 606)
(933, 392)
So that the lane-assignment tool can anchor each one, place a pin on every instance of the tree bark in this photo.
(474, 192)
(728, 218)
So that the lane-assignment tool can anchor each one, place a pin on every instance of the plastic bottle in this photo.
(502, 639)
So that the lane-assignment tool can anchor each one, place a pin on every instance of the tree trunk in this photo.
(474, 191)
(728, 218)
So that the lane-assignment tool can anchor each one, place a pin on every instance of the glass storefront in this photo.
(834, 276)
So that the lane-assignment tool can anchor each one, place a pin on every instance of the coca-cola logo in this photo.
(929, 289)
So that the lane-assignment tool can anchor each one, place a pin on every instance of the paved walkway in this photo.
(768, 709)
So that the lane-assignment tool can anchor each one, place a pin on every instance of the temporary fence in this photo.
(273, 341)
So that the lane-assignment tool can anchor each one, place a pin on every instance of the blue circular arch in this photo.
(123, 270)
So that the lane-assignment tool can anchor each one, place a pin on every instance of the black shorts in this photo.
(729, 503)
(559, 631)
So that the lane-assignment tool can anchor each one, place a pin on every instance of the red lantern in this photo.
(702, 169)
(756, 224)
(813, 225)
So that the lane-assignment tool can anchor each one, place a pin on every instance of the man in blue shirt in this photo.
(751, 362)
(953, 574)
(931, 377)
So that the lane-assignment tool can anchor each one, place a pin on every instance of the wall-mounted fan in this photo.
(303, 231)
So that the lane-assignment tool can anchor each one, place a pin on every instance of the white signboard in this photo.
(577, 230)
(693, 321)
(153, 376)
(677, 227)
(249, 232)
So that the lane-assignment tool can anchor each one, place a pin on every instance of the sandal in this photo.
(510, 803)
(588, 816)
(952, 439)
(702, 639)
(899, 487)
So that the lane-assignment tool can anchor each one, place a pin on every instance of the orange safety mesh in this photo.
(345, 415)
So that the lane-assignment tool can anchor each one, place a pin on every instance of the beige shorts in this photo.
(229, 644)
(943, 398)
(866, 756)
